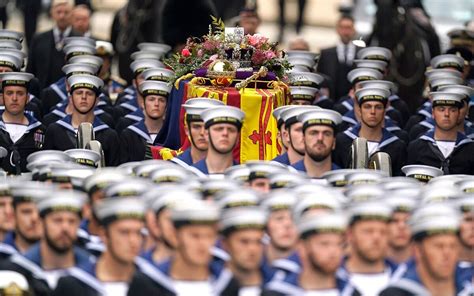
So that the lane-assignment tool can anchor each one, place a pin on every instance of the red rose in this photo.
(185, 52)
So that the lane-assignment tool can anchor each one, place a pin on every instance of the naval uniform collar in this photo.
(97, 124)
(136, 115)
(461, 139)
(32, 122)
(387, 136)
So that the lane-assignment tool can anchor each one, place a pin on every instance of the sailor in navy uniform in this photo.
(329, 227)
(319, 133)
(466, 204)
(153, 74)
(62, 111)
(433, 270)
(61, 135)
(20, 133)
(222, 126)
(368, 226)
(197, 221)
(246, 260)
(444, 146)
(28, 229)
(315, 81)
(281, 127)
(130, 101)
(195, 129)
(293, 134)
(135, 138)
(302, 95)
(116, 215)
(372, 102)
(44, 263)
(113, 85)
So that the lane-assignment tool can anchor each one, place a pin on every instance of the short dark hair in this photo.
(345, 17)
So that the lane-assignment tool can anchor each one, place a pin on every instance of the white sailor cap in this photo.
(434, 219)
(440, 73)
(76, 69)
(369, 210)
(319, 223)
(145, 54)
(278, 200)
(10, 61)
(195, 106)
(364, 192)
(150, 46)
(379, 84)
(156, 88)
(174, 174)
(290, 115)
(62, 200)
(129, 187)
(466, 184)
(464, 90)
(103, 178)
(14, 52)
(12, 44)
(302, 54)
(5, 189)
(128, 167)
(277, 114)
(375, 53)
(144, 168)
(466, 204)
(439, 193)
(302, 61)
(141, 65)
(442, 98)
(223, 114)
(447, 61)
(158, 74)
(320, 117)
(422, 173)
(241, 219)
(79, 41)
(194, 212)
(324, 201)
(306, 79)
(170, 197)
(287, 179)
(397, 183)
(47, 156)
(13, 283)
(239, 173)
(263, 169)
(435, 83)
(235, 199)
(213, 187)
(15, 78)
(30, 191)
(87, 59)
(78, 50)
(372, 94)
(303, 93)
(109, 210)
(104, 48)
(337, 178)
(371, 64)
(365, 176)
(447, 180)
(363, 74)
(401, 203)
(84, 156)
(91, 82)
(11, 35)
(66, 173)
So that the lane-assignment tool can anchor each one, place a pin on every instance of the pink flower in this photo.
(200, 53)
(258, 57)
(209, 45)
(257, 40)
(270, 54)
(213, 57)
(185, 52)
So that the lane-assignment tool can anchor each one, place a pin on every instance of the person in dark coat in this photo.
(183, 19)
(20, 133)
(61, 135)
(135, 138)
(444, 146)
(337, 61)
(191, 270)
(372, 103)
(46, 56)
